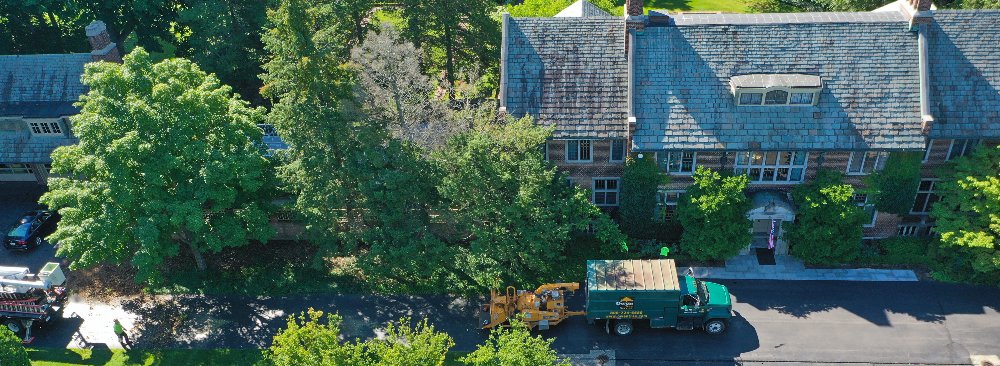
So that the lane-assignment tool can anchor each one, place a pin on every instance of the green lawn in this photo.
(118, 357)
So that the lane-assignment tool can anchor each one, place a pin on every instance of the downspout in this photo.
(630, 101)
(926, 118)
(505, 25)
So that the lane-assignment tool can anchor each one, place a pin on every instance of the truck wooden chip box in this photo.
(619, 295)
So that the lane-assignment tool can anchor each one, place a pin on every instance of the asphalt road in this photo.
(778, 322)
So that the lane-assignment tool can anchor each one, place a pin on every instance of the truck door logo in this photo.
(626, 303)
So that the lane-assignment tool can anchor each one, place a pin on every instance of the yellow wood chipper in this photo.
(542, 308)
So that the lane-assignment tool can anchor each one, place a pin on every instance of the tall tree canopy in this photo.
(517, 206)
(167, 157)
(361, 191)
(968, 214)
(455, 35)
(548, 8)
(514, 346)
(713, 213)
(393, 88)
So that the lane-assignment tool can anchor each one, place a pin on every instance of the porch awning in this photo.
(770, 205)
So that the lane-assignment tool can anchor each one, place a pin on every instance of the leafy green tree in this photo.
(827, 227)
(968, 214)
(548, 8)
(313, 338)
(514, 346)
(361, 192)
(12, 352)
(225, 40)
(713, 213)
(640, 181)
(167, 157)
(455, 35)
(393, 88)
(517, 207)
(892, 189)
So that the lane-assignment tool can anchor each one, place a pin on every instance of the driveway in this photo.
(17, 198)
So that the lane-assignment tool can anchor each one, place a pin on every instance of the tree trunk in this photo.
(449, 62)
(199, 259)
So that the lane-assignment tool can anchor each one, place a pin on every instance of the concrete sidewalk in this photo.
(745, 267)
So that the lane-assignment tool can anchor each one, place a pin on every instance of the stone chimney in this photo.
(103, 49)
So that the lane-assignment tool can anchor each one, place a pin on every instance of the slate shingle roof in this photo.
(41, 86)
(870, 97)
(569, 72)
(21, 147)
(964, 55)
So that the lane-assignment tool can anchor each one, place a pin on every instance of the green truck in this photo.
(624, 293)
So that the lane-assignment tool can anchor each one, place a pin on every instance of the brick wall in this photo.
(583, 173)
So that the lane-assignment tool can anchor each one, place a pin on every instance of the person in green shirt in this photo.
(122, 336)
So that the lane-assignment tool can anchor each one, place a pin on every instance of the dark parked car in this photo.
(30, 231)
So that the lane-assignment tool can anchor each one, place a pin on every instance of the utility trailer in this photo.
(27, 300)
(619, 294)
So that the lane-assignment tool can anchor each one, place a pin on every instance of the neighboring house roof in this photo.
(582, 9)
(869, 100)
(570, 73)
(41, 86)
(964, 55)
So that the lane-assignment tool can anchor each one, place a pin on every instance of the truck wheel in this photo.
(716, 326)
(623, 327)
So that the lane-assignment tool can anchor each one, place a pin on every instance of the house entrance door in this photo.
(763, 236)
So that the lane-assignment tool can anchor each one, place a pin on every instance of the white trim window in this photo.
(678, 162)
(925, 197)
(772, 167)
(578, 151)
(617, 153)
(961, 147)
(906, 230)
(866, 162)
(15, 169)
(606, 191)
(50, 127)
(861, 199)
(666, 204)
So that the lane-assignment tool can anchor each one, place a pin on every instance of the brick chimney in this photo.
(921, 5)
(917, 11)
(633, 8)
(103, 49)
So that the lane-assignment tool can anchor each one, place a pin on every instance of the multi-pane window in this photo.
(751, 98)
(678, 162)
(866, 162)
(606, 191)
(617, 150)
(861, 200)
(906, 230)
(960, 148)
(776, 97)
(802, 98)
(15, 169)
(45, 127)
(666, 205)
(925, 197)
(772, 166)
(545, 151)
(578, 150)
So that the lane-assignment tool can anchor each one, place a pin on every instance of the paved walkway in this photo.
(745, 267)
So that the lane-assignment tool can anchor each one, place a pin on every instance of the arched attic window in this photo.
(775, 89)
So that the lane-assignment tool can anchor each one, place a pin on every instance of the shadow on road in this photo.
(872, 301)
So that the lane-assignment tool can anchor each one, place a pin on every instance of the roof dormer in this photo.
(775, 89)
